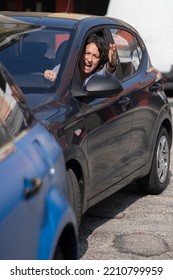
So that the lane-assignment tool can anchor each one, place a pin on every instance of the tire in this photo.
(157, 180)
(58, 254)
(74, 195)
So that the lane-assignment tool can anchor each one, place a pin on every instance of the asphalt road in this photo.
(129, 225)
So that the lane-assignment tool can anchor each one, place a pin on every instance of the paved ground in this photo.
(130, 226)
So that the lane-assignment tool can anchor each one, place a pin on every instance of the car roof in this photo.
(69, 20)
(5, 20)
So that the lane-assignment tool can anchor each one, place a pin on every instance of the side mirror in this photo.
(103, 86)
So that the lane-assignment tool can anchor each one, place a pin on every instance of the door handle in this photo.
(32, 186)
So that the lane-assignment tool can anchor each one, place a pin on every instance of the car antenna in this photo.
(68, 5)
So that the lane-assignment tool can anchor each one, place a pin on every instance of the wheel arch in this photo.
(156, 181)
(167, 124)
(75, 159)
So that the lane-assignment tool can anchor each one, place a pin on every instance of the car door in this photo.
(25, 172)
(108, 122)
(136, 78)
(113, 149)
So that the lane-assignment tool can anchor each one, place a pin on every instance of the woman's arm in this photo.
(113, 59)
(51, 75)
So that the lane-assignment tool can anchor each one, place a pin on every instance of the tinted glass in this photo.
(27, 55)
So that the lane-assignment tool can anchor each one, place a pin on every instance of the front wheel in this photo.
(74, 194)
(157, 180)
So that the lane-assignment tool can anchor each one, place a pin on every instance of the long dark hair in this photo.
(102, 47)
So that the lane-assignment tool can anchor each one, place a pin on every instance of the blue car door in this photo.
(25, 178)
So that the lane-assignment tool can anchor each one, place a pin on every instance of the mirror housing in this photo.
(103, 86)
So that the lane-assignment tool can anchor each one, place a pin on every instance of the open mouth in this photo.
(88, 65)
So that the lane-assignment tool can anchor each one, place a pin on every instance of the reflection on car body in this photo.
(36, 221)
(112, 132)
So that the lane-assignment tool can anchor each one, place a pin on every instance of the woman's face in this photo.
(90, 59)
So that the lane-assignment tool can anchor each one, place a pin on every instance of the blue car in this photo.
(36, 221)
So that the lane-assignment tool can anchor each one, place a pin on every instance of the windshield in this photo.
(28, 54)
